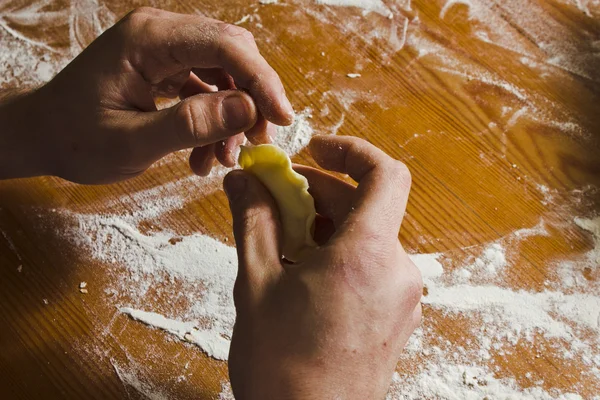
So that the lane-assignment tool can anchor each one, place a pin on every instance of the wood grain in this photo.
(444, 103)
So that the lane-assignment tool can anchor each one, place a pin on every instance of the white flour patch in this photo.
(485, 267)
(429, 265)
(226, 392)
(295, 137)
(521, 312)
(213, 344)
(203, 267)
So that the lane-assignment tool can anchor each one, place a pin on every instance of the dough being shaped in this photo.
(272, 166)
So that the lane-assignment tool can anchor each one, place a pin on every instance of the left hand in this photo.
(97, 122)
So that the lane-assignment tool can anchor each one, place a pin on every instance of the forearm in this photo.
(19, 137)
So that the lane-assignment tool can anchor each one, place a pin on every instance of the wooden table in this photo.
(495, 108)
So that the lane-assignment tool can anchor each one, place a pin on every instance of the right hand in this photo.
(332, 325)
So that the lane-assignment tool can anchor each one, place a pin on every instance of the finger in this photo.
(259, 134)
(162, 45)
(228, 150)
(333, 197)
(202, 159)
(194, 86)
(383, 183)
(197, 121)
(170, 86)
(216, 76)
(271, 132)
(256, 228)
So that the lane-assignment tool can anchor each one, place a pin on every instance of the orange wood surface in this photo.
(438, 102)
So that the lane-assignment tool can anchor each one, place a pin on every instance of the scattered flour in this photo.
(192, 261)
(204, 270)
(131, 379)
(10, 243)
(450, 3)
(367, 6)
(463, 382)
(559, 44)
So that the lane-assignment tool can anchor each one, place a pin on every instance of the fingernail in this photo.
(235, 184)
(236, 111)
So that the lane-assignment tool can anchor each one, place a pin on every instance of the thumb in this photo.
(198, 120)
(256, 228)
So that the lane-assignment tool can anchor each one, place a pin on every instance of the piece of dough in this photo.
(272, 166)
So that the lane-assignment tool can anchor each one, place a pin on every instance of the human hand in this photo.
(332, 325)
(97, 122)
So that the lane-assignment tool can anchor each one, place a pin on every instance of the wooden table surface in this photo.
(494, 107)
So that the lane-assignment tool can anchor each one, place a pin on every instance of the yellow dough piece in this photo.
(272, 166)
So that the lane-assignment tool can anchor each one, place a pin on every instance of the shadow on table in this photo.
(60, 343)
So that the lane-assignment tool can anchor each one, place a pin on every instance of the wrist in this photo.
(315, 380)
(336, 385)
(21, 147)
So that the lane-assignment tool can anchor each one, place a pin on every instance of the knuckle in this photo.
(235, 31)
(253, 81)
(400, 174)
(195, 123)
(233, 38)
(414, 288)
(145, 10)
(250, 218)
(138, 17)
(376, 244)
